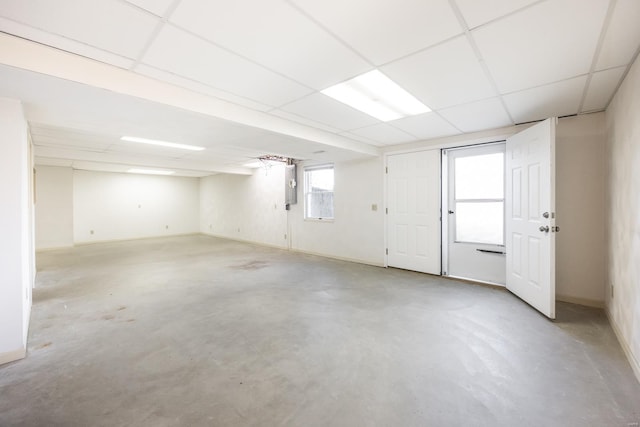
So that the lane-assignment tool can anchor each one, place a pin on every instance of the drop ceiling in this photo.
(243, 78)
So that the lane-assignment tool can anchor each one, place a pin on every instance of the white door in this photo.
(530, 213)
(413, 211)
(475, 212)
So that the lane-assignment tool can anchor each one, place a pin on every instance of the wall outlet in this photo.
(374, 207)
(166, 226)
(90, 231)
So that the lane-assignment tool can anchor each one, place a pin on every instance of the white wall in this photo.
(16, 231)
(580, 196)
(54, 207)
(245, 207)
(357, 232)
(623, 214)
(251, 208)
(128, 206)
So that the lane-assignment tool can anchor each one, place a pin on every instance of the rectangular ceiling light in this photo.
(151, 171)
(161, 143)
(375, 94)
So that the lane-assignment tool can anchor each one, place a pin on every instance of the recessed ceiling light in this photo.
(151, 171)
(161, 143)
(375, 94)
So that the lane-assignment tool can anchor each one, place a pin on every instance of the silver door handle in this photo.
(544, 228)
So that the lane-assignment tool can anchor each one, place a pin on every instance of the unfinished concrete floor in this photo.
(202, 331)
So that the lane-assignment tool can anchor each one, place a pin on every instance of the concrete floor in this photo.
(201, 331)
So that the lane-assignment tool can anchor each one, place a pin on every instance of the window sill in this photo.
(320, 219)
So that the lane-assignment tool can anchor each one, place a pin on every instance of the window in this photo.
(479, 198)
(318, 192)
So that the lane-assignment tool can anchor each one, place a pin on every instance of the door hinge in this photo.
(387, 251)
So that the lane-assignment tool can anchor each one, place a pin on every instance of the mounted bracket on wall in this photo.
(290, 184)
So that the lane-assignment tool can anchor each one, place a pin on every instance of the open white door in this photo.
(530, 216)
(413, 212)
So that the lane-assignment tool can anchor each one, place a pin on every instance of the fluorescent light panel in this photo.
(254, 164)
(375, 94)
(161, 143)
(151, 171)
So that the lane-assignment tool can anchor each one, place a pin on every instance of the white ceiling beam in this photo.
(28, 55)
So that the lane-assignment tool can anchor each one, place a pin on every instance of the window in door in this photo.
(475, 202)
(479, 198)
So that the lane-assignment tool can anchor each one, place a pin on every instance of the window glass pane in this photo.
(319, 193)
(480, 222)
(320, 205)
(480, 177)
(321, 179)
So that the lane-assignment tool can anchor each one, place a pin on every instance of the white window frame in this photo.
(308, 191)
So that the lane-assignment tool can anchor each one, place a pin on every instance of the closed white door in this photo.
(413, 211)
(530, 214)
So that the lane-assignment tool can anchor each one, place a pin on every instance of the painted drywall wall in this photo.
(251, 208)
(245, 207)
(623, 214)
(357, 232)
(580, 213)
(54, 207)
(16, 229)
(114, 206)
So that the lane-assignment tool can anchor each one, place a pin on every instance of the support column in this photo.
(16, 231)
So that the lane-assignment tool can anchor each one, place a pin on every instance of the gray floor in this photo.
(201, 331)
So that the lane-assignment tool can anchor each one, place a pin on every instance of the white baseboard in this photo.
(580, 301)
(635, 365)
(339, 258)
(11, 356)
(92, 242)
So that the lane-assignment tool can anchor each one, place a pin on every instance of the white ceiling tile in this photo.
(321, 108)
(476, 12)
(541, 44)
(384, 30)
(186, 83)
(442, 76)
(554, 100)
(157, 7)
(30, 33)
(622, 38)
(425, 126)
(110, 25)
(191, 57)
(299, 119)
(601, 88)
(360, 138)
(476, 116)
(274, 34)
(384, 134)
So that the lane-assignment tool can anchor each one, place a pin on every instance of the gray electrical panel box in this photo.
(290, 186)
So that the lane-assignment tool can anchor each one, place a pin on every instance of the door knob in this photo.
(544, 228)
